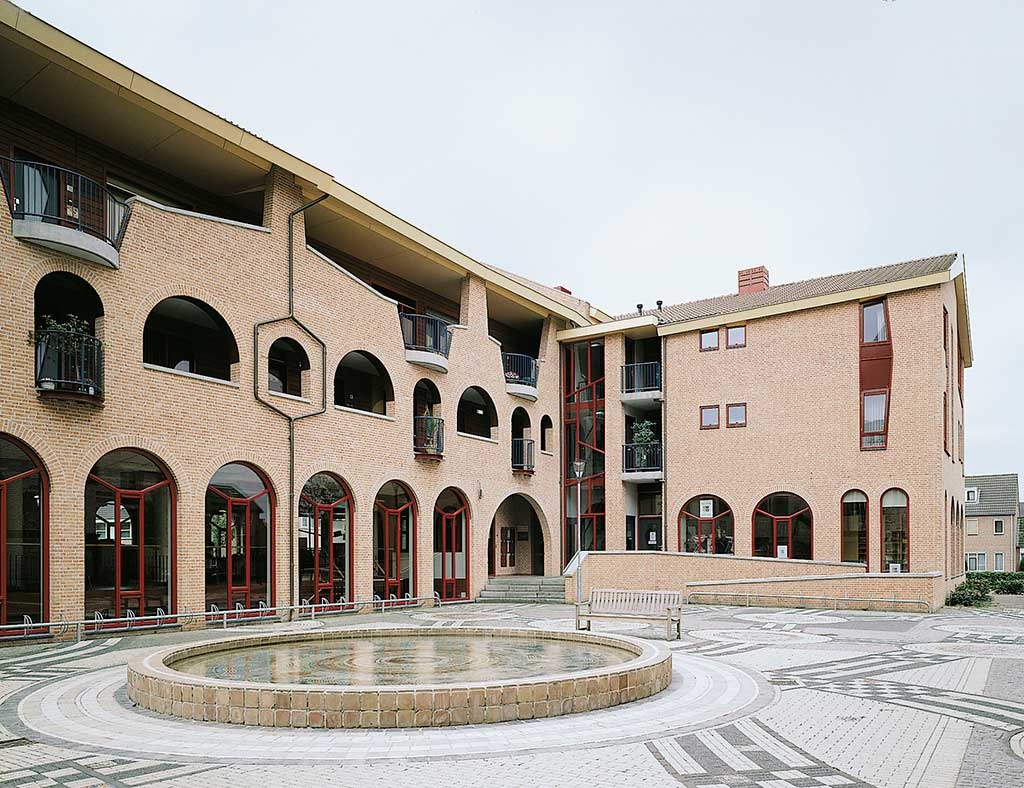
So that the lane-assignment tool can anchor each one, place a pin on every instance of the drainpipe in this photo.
(323, 389)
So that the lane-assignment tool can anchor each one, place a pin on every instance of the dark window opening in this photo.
(189, 336)
(707, 525)
(783, 527)
(476, 414)
(361, 382)
(854, 537)
(546, 434)
(285, 364)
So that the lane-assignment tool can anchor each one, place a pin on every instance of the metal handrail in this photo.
(425, 333)
(428, 435)
(639, 457)
(520, 369)
(43, 192)
(69, 361)
(644, 376)
(522, 454)
(803, 598)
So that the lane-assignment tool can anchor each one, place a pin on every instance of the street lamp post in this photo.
(577, 469)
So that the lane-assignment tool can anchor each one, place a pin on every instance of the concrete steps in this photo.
(524, 588)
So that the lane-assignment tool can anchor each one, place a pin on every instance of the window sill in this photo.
(478, 438)
(381, 416)
(292, 397)
(191, 375)
(710, 428)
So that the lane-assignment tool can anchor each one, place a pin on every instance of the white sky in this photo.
(644, 150)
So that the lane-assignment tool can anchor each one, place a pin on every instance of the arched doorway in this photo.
(23, 522)
(394, 543)
(515, 545)
(451, 545)
(325, 544)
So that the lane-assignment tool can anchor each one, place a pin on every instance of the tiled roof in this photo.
(796, 291)
(997, 494)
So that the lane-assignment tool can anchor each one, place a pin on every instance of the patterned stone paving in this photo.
(766, 698)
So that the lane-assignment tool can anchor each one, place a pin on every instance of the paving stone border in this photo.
(154, 684)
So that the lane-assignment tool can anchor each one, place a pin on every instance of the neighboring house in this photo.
(1020, 536)
(992, 541)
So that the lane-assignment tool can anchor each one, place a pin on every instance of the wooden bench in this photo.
(664, 606)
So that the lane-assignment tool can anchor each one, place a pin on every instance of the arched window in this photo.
(706, 525)
(783, 527)
(325, 540)
(23, 522)
(522, 441)
(129, 536)
(546, 433)
(895, 530)
(362, 383)
(286, 362)
(451, 545)
(477, 415)
(239, 538)
(427, 424)
(394, 542)
(69, 357)
(187, 335)
(854, 537)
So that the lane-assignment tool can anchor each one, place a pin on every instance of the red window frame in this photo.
(701, 522)
(731, 346)
(318, 509)
(395, 583)
(867, 525)
(776, 519)
(718, 417)
(232, 502)
(884, 432)
(945, 422)
(449, 533)
(881, 527)
(700, 340)
(728, 423)
(44, 545)
(888, 325)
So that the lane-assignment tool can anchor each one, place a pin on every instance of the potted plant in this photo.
(643, 439)
(58, 343)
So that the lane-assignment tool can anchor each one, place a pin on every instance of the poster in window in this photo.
(707, 508)
(782, 551)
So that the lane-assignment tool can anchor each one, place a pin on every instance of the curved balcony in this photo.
(641, 462)
(428, 436)
(641, 384)
(522, 455)
(427, 340)
(69, 365)
(64, 210)
(520, 375)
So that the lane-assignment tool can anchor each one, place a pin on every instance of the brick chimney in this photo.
(753, 280)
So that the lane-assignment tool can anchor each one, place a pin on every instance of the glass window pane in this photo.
(874, 322)
(854, 527)
(709, 417)
(874, 413)
(736, 336)
(709, 340)
(737, 415)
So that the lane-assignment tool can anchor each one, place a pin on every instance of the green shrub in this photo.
(999, 582)
(970, 593)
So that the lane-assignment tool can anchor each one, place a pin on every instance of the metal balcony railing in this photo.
(645, 376)
(67, 361)
(640, 457)
(428, 435)
(520, 369)
(425, 333)
(522, 454)
(45, 193)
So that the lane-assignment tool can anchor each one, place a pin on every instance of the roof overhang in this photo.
(163, 115)
(634, 327)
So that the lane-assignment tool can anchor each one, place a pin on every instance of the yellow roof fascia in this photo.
(612, 327)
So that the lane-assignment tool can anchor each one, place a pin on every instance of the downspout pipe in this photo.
(323, 388)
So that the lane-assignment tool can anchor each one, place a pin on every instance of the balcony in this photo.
(428, 437)
(69, 365)
(63, 210)
(520, 375)
(427, 341)
(522, 455)
(642, 462)
(641, 384)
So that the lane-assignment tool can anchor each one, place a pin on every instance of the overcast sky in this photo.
(644, 150)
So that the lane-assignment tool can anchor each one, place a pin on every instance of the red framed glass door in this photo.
(325, 557)
(238, 553)
(394, 544)
(451, 582)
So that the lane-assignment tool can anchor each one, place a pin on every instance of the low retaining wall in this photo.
(726, 579)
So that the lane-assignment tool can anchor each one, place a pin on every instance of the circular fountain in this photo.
(398, 677)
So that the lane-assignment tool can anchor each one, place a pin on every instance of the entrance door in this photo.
(650, 534)
(238, 554)
(453, 556)
(392, 555)
(508, 547)
(130, 567)
(782, 533)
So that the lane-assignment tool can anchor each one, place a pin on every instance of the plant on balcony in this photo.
(643, 439)
(58, 345)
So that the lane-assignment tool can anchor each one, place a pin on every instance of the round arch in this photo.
(394, 542)
(452, 545)
(854, 511)
(895, 523)
(240, 520)
(546, 433)
(507, 552)
(707, 525)
(130, 560)
(325, 560)
(286, 362)
(477, 414)
(783, 527)
(362, 382)
(188, 335)
(24, 525)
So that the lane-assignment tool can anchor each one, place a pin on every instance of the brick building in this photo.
(234, 382)
(990, 531)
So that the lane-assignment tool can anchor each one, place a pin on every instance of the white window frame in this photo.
(980, 562)
(999, 564)
(969, 492)
(972, 526)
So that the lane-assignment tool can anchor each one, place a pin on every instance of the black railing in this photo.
(426, 333)
(520, 369)
(639, 457)
(428, 435)
(522, 454)
(645, 376)
(45, 193)
(67, 361)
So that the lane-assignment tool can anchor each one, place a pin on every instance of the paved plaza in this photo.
(760, 697)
